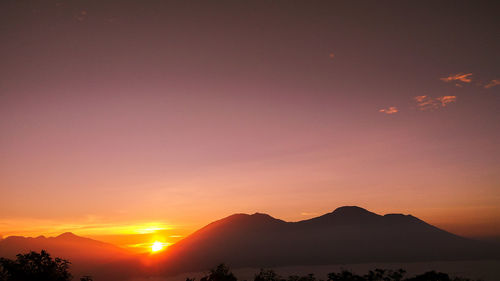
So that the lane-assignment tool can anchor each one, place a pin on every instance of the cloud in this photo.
(462, 77)
(308, 214)
(492, 83)
(421, 98)
(425, 103)
(390, 110)
(466, 78)
(446, 100)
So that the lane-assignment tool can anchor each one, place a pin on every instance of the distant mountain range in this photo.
(346, 235)
(87, 256)
(64, 245)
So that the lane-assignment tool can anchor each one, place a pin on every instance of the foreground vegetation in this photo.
(223, 273)
(41, 266)
(35, 266)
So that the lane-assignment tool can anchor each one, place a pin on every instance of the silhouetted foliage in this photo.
(267, 275)
(372, 275)
(41, 266)
(344, 275)
(385, 275)
(436, 276)
(220, 273)
(34, 266)
(309, 277)
(431, 276)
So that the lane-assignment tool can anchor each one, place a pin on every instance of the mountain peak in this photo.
(345, 215)
(245, 217)
(351, 211)
(67, 235)
(349, 234)
(261, 215)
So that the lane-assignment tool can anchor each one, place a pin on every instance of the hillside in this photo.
(346, 235)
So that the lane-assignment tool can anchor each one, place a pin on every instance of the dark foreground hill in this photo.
(346, 235)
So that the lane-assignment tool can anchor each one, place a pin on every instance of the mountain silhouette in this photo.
(67, 244)
(87, 256)
(347, 235)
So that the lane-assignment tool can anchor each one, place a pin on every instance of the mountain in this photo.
(67, 245)
(87, 256)
(347, 235)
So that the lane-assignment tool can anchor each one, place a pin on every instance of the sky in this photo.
(122, 120)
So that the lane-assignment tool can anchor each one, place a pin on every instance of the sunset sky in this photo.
(124, 120)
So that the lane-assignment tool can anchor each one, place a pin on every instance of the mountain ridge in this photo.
(349, 234)
(84, 253)
(87, 256)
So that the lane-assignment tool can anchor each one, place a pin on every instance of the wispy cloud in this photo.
(390, 110)
(462, 77)
(446, 100)
(309, 214)
(93, 226)
(492, 83)
(425, 103)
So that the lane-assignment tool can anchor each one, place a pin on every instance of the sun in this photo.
(157, 246)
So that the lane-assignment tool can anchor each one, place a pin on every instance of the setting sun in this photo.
(157, 246)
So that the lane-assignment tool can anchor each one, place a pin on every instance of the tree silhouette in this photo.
(385, 275)
(344, 275)
(41, 266)
(436, 276)
(308, 277)
(267, 275)
(220, 273)
(431, 276)
(34, 266)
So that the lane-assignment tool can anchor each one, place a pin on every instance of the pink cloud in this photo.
(421, 98)
(390, 110)
(425, 103)
(492, 83)
(446, 100)
(462, 77)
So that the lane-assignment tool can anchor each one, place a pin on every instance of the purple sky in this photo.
(118, 113)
